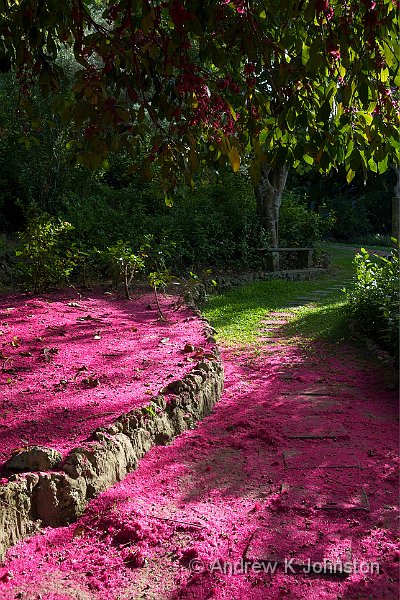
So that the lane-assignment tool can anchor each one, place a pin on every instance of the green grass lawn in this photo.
(236, 314)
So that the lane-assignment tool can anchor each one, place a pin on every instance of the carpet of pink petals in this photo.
(71, 365)
(241, 488)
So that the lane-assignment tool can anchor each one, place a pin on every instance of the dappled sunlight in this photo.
(287, 466)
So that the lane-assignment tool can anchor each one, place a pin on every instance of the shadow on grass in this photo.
(323, 321)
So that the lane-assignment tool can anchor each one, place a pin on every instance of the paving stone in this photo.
(322, 458)
(300, 551)
(351, 499)
(314, 429)
(313, 390)
(274, 348)
(356, 501)
(274, 340)
(327, 408)
(307, 401)
(321, 292)
(382, 417)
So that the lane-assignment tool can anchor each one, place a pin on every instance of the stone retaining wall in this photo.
(32, 500)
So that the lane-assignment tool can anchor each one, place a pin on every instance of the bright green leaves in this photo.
(169, 201)
(305, 54)
(291, 118)
(384, 75)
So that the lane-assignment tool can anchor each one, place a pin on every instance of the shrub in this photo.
(104, 216)
(300, 226)
(44, 256)
(374, 301)
(352, 218)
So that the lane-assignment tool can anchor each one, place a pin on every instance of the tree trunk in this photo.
(269, 198)
(396, 205)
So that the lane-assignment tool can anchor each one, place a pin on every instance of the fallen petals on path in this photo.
(221, 513)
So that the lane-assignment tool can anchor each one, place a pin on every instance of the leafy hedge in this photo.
(300, 226)
(374, 301)
(214, 226)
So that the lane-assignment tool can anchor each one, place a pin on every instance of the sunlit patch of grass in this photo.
(323, 321)
(237, 314)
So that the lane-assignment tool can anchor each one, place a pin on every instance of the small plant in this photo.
(125, 262)
(84, 260)
(159, 279)
(44, 257)
(155, 257)
(151, 409)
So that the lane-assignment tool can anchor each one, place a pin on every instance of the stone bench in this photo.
(303, 256)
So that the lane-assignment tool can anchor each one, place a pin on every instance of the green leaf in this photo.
(355, 160)
(263, 135)
(324, 113)
(363, 93)
(383, 165)
(234, 159)
(350, 148)
(384, 75)
(233, 113)
(305, 54)
(291, 118)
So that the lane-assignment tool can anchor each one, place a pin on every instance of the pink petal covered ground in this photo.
(69, 365)
(298, 460)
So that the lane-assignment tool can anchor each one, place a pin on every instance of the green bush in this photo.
(362, 208)
(213, 225)
(104, 216)
(300, 226)
(374, 301)
(352, 219)
(44, 257)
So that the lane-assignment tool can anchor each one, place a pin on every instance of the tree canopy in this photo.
(278, 82)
